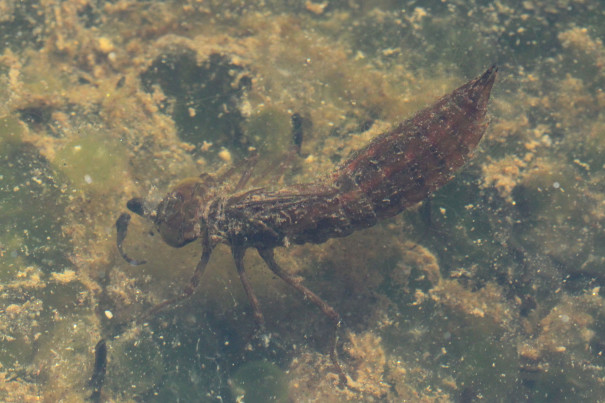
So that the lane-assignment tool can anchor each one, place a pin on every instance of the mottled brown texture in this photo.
(397, 169)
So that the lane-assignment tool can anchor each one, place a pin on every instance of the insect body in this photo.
(396, 170)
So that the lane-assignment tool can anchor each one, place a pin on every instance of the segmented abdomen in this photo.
(402, 167)
(397, 169)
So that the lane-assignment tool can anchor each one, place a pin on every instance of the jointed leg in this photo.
(268, 257)
(193, 283)
(248, 166)
(238, 256)
(278, 167)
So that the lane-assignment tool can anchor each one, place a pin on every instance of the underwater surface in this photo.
(491, 290)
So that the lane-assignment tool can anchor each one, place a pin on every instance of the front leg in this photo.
(268, 257)
(193, 282)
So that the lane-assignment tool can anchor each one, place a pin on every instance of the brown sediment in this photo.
(377, 376)
(488, 302)
(18, 390)
(311, 376)
(579, 40)
(503, 175)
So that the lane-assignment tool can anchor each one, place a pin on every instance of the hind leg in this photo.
(268, 257)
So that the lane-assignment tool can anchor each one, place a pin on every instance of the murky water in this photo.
(490, 290)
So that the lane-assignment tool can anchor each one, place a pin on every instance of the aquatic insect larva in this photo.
(394, 171)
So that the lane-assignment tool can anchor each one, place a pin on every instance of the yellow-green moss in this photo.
(93, 162)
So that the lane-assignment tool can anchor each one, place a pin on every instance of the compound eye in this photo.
(136, 205)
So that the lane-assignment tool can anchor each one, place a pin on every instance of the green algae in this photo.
(204, 97)
(537, 239)
(259, 381)
(32, 209)
(63, 356)
(11, 130)
(137, 365)
(22, 17)
(271, 129)
(29, 184)
(92, 163)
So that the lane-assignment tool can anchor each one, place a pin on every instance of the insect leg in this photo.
(248, 166)
(238, 256)
(193, 283)
(268, 257)
(248, 169)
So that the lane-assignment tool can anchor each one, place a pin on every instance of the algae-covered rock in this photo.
(32, 246)
(32, 203)
(259, 381)
(11, 130)
(202, 96)
(93, 162)
(66, 359)
(172, 360)
(270, 128)
(489, 291)
(24, 18)
(136, 365)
